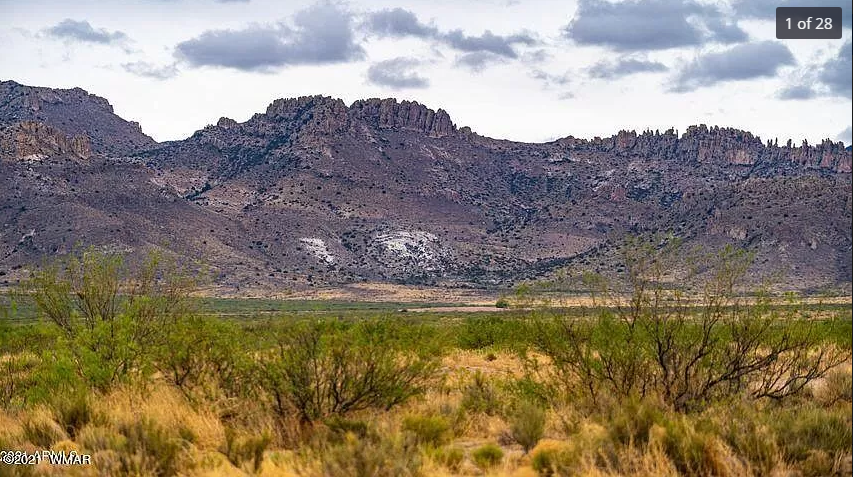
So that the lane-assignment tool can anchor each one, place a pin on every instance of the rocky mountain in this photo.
(314, 192)
(75, 112)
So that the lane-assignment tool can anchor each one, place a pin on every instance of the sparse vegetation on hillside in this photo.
(123, 368)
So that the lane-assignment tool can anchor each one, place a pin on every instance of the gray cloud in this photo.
(148, 70)
(487, 42)
(83, 31)
(323, 34)
(833, 78)
(797, 92)
(837, 74)
(766, 9)
(741, 62)
(399, 23)
(624, 67)
(846, 135)
(637, 25)
(397, 73)
(478, 61)
(551, 79)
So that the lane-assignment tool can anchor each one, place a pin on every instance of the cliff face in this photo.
(325, 115)
(76, 113)
(408, 115)
(728, 146)
(30, 140)
(312, 191)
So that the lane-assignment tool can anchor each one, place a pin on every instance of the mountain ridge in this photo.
(312, 192)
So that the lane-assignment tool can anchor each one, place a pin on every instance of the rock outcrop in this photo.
(74, 111)
(226, 123)
(408, 115)
(720, 146)
(312, 114)
(31, 140)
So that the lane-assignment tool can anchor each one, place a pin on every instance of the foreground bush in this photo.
(108, 314)
(371, 456)
(649, 386)
(487, 456)
(527, 424)
(320, 370)
(429, 430)
(658, 343)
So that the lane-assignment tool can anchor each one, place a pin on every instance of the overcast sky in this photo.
(530, 70)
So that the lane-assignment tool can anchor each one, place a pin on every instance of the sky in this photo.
(531, 70)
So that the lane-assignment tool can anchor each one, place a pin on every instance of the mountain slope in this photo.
(313, 191)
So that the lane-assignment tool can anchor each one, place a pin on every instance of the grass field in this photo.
(147, 379)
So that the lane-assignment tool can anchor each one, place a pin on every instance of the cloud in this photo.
(487, 42)
(148, 70)
(832, 78)
(400, 23)
(766, 9)
(624, 67)
(741, 62)
(558, 82)
(639, 25)
(797, 92)
(397, 73)
(551, 79)
(478, 61)
(83, 31)
(323, 34)
(837, 73)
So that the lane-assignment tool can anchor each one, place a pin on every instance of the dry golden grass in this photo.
(202, 429)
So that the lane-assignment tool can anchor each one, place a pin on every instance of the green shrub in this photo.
(325, 369)
(109, 317)
(449, 457)
(687, 447)
(630, 422)
(54, 376)
(649, 340)
(203, 355)
(545, 461)
(481, 332)
(428, 430)
(554, 460)
(800, 431)
(487, 456)
(245, 449)
(150, 449)
(16, 377)
(744, 429)
(502, 303)
(373, 456)
(341, 426)
(527, 424)
(480, 396)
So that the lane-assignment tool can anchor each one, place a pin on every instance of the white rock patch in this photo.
(318, 248)
(30, 234)
(422, 248)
